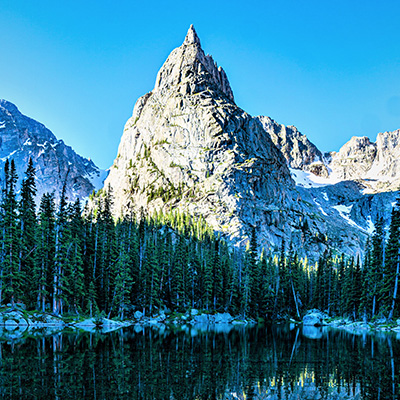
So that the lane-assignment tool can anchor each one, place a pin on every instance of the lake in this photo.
(263, 362)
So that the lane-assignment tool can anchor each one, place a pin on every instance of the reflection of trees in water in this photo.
(257, 363)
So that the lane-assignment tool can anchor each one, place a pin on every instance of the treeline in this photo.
(65, 259)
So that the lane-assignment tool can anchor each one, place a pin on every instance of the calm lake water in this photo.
(264, 362)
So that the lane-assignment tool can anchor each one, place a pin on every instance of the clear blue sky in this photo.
(331, 68)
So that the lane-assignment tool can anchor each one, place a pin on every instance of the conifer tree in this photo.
(268, 278)
(353, 290)
(389, 290)
(46, 251)
(281, 281)
(74, 273)
(123, 280)
(28, 228)
(62, 249)
(293, 275)
(217, 293)
(365, 297)
(179, 274)
(255, 275)
(377, 265)
(153, 277)
(340, 285)
(12, 275)
(106, 252)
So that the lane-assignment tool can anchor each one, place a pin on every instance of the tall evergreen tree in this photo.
(46, 251)
(106, 252)
(62, 250)
(12, 275)
(74, 272)
(389, 289)
(377, 265)
(28, 228)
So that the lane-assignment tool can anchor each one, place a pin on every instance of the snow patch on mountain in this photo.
(320, 207)
(9, 156)
(344, 212)
(370, 225)
(307, 179)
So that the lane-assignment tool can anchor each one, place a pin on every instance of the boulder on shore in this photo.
(138, 315)
(314, 318)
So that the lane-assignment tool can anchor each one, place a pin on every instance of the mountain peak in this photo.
(191, 36)
(7, 105)
(22, 138)
(188, 70)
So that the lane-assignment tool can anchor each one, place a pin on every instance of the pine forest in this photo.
(67, 259)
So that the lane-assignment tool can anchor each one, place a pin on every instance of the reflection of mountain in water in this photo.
(244, 363)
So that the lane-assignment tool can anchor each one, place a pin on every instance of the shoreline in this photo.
(17, 323)
(316, 318)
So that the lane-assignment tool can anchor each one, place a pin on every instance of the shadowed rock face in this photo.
(22, 138)
(298, 151)
(189, 146)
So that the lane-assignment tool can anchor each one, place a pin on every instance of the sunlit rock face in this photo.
(377, 164)
(22, 138)
(360, 181)
(188, 146)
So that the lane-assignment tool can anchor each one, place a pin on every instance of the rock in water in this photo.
(22, 137)
(313, 318)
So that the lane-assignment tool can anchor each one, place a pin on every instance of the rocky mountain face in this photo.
(188, 146)
(22, 138)
(298, 151)
(359, 183)
(376, 165)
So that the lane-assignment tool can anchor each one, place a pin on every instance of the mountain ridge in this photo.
(23, 138)
(189, 146)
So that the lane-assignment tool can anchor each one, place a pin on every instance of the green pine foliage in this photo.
(28, 227)
(63, 259)
(45, 252)
(12, 275)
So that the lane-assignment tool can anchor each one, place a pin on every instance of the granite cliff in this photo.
(360, 181)
(188, 146)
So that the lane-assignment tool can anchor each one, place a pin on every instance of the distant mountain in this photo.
(22, 137)
(188, 146)
(375, 165)
(360, 182)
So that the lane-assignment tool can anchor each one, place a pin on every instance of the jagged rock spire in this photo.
(188, 70)
(191, 37)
